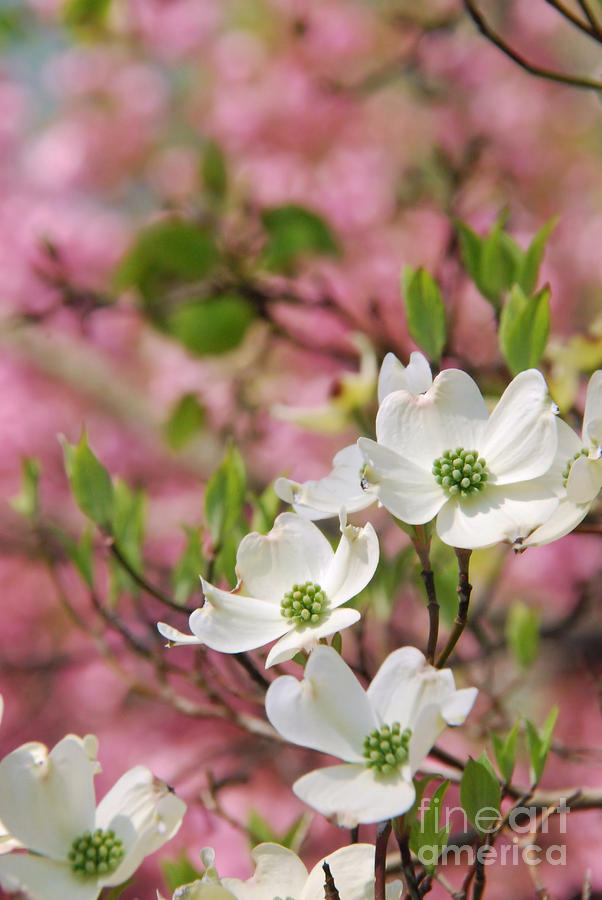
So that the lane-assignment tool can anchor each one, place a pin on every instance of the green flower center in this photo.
(304, 604)
(387, 748)
(461, 472)
(567, 469)
(95, 853)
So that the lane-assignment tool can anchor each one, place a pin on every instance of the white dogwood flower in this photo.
(576, 492)
(585, 471)
(291, 585)
(442, 454)
(383, 734)
(279, 873)
(72, 848)
(324, 497)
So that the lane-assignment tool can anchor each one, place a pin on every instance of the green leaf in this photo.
(85, 13)
(425, 311)
(212, 326)
(179, 871)
(485, 761)
(420, 786)
(505, 752)
(294, 232)
(337, 642)
(296, 834)
(191, 564)
(116, 892)
(81, 552)
(480, 795)
(470, 250)
(27, 501)
(524, 327)
(261, 831)
(539, 744)
(427, 839)
(499, 265)
(522, 633)
(165, 255)
(529, 269)
(265, 509)
(214, 172)
(185, 421)
(90, 483)
(225, 495)
(224, 564)
(128, 522)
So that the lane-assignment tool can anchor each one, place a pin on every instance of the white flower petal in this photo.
(278, 873)
(43, 879)
(405, 489)
(352, 794)
(306, 638)
(394, 376)
(176, 637)
(324, 497)
(585, 480)
(47, 799)
(592, 417)
(353, 564)
(328, 710)
(202, 890)
(144, 813)
(457, 706)
(520, 438)
(497, 513)
(232, 623)
(405, 683)
(452, 413)
(429, 724)
(352, 869)
(293, 552)
(563, 520)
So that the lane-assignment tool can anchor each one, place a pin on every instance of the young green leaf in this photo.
(500, 260)
(425, 311)
(85, 13)
(471, 249)
(265, 509)
(529, 269)
(214, 172)
(179, 871)
(80, 552)
(522, 633)
(128, 523)
(505, 752)
(427, 838)
(294, 232)
(185, 421)
(539, 744)
(211, 326)
(480, 795)
(191, 564)
(90, 483)
(225, 495)
(27, 501)
(524, 327)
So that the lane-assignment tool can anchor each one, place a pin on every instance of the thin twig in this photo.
(584, 4)
(488, 32)
(383, 831)
(464, 590)
(422, 547)
(141, 581)
(586, 27)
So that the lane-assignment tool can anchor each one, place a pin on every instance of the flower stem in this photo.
(422, 546)
(464, 590)
(383, 831)
(407, 866)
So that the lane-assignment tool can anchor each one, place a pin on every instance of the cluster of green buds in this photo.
(304, 603)
(567, 469)
(387, 748)
(460, 472)
(95, 853)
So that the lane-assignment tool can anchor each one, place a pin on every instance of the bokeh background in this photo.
(131, 126)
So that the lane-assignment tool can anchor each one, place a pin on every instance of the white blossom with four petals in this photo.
(294, 552)
(279, 873)
(517, 443)
(47, 802)
(324, 497)
(330, 711)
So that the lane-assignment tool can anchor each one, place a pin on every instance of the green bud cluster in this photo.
(460, 472)
(569, 465)
(304, 604)
(387, 748)
(95, 853)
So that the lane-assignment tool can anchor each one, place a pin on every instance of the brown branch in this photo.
(464, 590)
(492, 36)
(572, 17)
